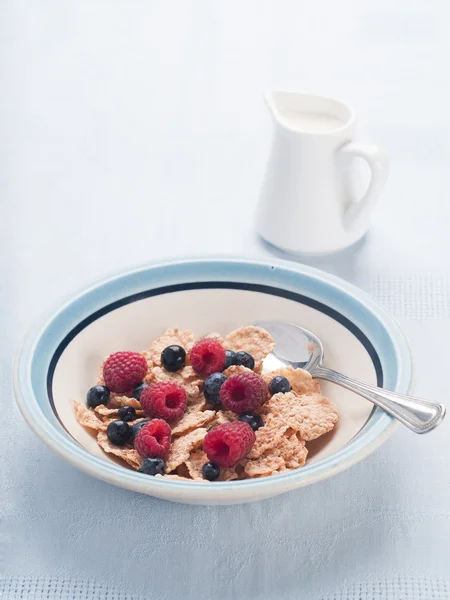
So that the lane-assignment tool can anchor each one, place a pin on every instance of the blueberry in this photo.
(152, 466)
(135, 429)
(279, 385)
(210, 471)
(245, 359)
(173, 358)
(139, 389)
(99, 394)
(211, 387)
(118, 432)
(254, 420)
(127, 413)
(230, 358)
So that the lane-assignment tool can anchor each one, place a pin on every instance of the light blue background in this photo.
(133, 130)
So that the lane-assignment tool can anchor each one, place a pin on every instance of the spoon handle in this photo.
(419, 415)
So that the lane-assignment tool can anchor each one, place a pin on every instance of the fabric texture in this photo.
(54, 588)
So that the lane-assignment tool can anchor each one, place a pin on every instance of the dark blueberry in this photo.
(135, 429)
(127, 413)
(245, 359)
(173, 358)
(254, 420)
(279, 385)
(210, 471)
(230, 358)
(99, 394)
(118, 432)
(211, 387)
(139, 389)
(152, 466)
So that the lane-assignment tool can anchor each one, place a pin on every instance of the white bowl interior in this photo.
(133, 327)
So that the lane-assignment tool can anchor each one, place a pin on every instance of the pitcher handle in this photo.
(357, 213)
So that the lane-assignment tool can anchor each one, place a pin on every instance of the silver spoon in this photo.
(301, 349)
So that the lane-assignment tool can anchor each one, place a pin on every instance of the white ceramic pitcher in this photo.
(308, 202)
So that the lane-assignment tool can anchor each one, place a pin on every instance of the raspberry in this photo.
(122, 371)
(165, 400)
(207, 356)
(153, 439)
(226, 444)
(243, 392)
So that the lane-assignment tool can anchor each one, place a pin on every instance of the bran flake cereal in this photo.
(223, 416)
(182, 447)
(215, 336)
(87, 417)
(235, 370)
(311, 415)
(173, 477)
(110, 412)
(253, 340)
(300, 380)
(290, 420)
(129, 455)
(292, 449)
(195, 464)
(186, 377)
(228, 474)
(196, 402)
(263, 466)
(170, 337)
(118, 401)
(268, 436)
(192, 420)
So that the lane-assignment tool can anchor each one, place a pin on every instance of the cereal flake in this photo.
(235, 370)
(170, 337)
(129, 455)
(87, 417)
(195, 464)
(186, 377)
(223, 416)
(251, 339)
(192, 420)
(292, 449)
(118, 401)
(195, 402)
(266, 465)
(301, 381)
(268, 436)
(227, 474)
(182, 447)
(311, 415)
(173, 477)
(215, 336)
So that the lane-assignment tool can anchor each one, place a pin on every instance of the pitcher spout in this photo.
(275, 104)
(284, 107)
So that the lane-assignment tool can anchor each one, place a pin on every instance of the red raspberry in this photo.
(226, 444)
(243, 392)
(166, 400)
(153, 439)
(122, 371)
(207, 356)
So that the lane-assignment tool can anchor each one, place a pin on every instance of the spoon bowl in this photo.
(295, 346)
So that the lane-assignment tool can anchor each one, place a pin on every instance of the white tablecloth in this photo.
(135, 130)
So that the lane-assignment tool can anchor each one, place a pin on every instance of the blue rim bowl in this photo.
(46, 340)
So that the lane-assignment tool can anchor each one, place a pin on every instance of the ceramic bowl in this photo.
(60, 359)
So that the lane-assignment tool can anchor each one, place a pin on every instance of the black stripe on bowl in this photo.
(212, 285)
